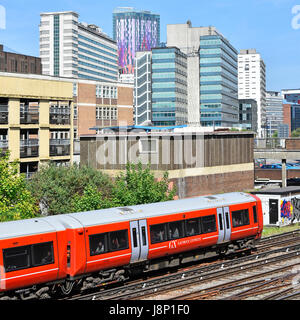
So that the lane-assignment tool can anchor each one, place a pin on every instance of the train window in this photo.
(98, 244)
(221, 221)
(158, 233)
(227, 220)
(16, 258)
(176, 230)
(240, 218)
(134, 236)
(254, 214)
(192, 227)
(208, 224)
(42, 254)
(118, 240)
(144, 236)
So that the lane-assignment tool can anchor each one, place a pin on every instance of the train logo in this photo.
(173, 244)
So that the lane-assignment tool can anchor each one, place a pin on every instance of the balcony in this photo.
(60, 115)
(29, 114)
(3, 114)
(29, 148)
(60, 147)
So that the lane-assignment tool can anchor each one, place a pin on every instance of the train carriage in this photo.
(90, 248)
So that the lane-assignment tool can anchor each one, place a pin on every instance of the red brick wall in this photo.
(287, 116)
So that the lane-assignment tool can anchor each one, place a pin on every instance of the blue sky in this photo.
(262, 24)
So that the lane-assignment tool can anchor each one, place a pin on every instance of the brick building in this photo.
(198, 163)
(19, 63)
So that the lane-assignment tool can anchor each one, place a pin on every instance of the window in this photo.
(158, 233)
(176, 230)
(208, 224)
(28, 256)
(42, 254)
(118, 240)
(144, 239)
(16, 258)
(192, 227)
(98, 244)
(240, 218)
(254, 214)
(134, 236)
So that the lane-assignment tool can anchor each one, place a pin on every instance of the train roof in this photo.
(29, 227)
(113, 215)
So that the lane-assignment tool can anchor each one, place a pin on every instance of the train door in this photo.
(224, 224)
(139, 240)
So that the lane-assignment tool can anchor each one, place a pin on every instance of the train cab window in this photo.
(158, 233)
(98, 244)
(16, 258)
(42, 254)
(240, 218)
(118, 240)
(254, 214)
(192, 227)
(208, 224)
(176, 230)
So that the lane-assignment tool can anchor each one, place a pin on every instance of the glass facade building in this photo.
(248, 114)
(218, 82)
(274, 112)
(134, 31)
(169, 87)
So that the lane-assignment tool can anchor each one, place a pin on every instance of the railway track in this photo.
(184, 278)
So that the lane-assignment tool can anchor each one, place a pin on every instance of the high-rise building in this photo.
(134, 31)
(248, 114)
(211, 74)
(252, 83)
(274, 112)
(169, 87)
(143, 88)
(69, 48)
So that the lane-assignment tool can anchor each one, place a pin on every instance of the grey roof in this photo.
(279, 191)
(29, 227)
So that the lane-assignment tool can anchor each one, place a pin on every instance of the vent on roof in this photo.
(126, 210)
(211, 198)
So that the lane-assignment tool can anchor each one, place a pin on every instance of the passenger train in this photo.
(46, 257)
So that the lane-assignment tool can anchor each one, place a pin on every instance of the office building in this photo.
(274, 112)
(169, 87)
(211, 74)
(69, 48)
(252, 83)
(36, 120)
(134, 31)
(248, 114)
(19, 63)
(291, 108)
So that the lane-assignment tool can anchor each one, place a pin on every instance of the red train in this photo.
(43, 257)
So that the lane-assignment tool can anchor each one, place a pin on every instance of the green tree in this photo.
(55, 187)
(296, 133)
(139, 186)
(16, 202)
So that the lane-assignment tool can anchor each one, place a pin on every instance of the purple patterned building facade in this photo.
(134, 31)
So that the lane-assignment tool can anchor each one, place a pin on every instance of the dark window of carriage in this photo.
(16, 258)
(240, 218)
(208, 224)
(192, 227)
(118, 240)
(158, 233)
(254, 214)
(176, 230)
(42, 254)
(98, 244)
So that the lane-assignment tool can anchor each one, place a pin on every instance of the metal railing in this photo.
(3, 114)
(29, 115)
(29, 148)
(60, 115)
(269, 143)
(60, 147)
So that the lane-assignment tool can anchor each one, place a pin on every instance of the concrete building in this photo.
(198, 162)
(248, 114)
(143, 88)
(69, 48)
(19, 63)
(133, 31)
(211, 75)
(36, 120)
(252, 83)
(274, 112)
